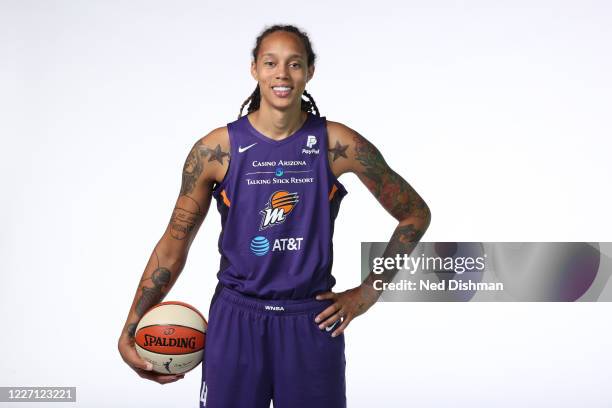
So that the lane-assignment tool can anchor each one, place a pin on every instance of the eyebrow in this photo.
(291, 56)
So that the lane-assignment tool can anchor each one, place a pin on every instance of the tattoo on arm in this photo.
(131, 330)
(150, 296)
(403, 241)
(338, 151)
(194, 164)
(393, 192)
(183, 222)
(400, 199)
(193, 167)
(217, 154)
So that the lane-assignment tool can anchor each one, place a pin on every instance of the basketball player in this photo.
(275, 325)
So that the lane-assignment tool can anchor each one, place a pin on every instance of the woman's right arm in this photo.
(205, 164)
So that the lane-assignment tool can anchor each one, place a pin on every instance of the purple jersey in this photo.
(278, 202)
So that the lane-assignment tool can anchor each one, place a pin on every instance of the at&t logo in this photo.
(260, 245)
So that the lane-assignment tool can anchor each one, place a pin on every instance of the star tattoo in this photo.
(217, 154)
(339, 151)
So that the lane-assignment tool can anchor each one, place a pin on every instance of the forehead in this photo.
(282, 44)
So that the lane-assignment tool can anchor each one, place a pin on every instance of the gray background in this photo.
(496, 112)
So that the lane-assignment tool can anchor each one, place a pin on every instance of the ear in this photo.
(311, 70)
(254, 70)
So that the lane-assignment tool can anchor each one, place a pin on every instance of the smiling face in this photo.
(282, 70)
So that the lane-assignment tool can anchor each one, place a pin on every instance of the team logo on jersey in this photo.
(311, 140)
(281, 203)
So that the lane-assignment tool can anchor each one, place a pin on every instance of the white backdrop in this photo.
(496, 112)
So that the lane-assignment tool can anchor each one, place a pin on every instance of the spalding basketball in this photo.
(171, 336)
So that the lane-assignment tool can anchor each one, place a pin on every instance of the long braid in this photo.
(310, 106)
(254, 99)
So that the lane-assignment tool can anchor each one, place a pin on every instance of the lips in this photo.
(281, 91)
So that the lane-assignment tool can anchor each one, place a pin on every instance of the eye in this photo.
(296, 65)
(268, 63)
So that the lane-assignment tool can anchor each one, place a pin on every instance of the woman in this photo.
(275, 327)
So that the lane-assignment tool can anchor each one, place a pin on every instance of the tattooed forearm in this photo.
(152, 289)
(394, 193)
(131, 330)
(403, 241)
(148, 296)
(151, 296)
(194, 164)
(399, 198)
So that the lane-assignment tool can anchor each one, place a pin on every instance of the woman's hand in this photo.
(347, 305)
(142, 367)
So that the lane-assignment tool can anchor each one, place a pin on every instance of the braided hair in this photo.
(255, 97)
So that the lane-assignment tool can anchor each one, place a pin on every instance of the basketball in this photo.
(171, 336)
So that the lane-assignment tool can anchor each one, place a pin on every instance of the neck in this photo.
(277, 124)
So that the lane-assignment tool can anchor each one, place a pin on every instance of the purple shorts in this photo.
(260, 350)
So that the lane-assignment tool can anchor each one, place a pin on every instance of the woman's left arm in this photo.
(351, 152)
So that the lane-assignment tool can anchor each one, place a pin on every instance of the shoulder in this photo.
(216, 136)
(210, 155)
(340, 132)
(341, 151)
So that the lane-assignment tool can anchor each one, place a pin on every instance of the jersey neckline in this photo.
(271, 141)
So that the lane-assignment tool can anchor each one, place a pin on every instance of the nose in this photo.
(281, 72)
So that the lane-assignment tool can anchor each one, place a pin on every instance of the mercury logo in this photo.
(281, 203)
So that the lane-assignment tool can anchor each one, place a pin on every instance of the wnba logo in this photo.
(280, 204)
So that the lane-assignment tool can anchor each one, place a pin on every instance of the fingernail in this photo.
(149, 366)
(317, 320)
(333, 334)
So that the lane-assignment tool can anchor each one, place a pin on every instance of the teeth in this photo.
(281, 88)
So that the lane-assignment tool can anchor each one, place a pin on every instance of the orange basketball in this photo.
(284, 200)
(171, 336)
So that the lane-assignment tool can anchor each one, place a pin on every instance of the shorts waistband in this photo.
(270, 306)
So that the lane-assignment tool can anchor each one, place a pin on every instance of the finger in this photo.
(159, 378)
(330, 310)
(325, 295)
(339, 330)
(136, 361)
(331, 320)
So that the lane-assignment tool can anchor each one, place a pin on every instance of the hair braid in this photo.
(310, 106)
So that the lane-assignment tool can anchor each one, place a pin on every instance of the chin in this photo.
(283, 105)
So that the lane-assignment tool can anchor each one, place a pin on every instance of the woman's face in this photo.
(281, 70)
